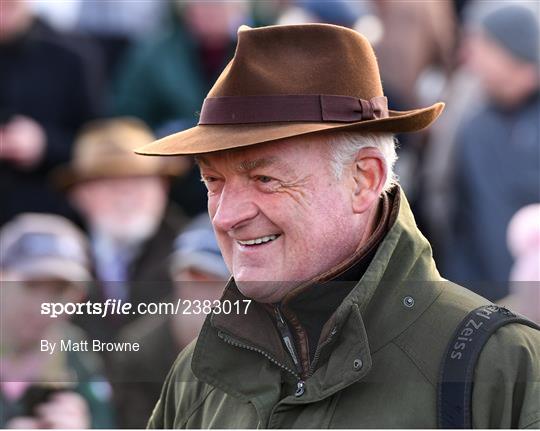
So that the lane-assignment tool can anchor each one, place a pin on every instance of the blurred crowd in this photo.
(83, 83)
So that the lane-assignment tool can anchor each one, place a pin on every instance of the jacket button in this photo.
(408, 301)
(358, 364)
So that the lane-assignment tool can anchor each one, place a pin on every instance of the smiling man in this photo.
(261, 197)
(350, 319)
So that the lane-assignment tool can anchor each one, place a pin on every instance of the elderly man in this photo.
(349, 319)
(123, 201)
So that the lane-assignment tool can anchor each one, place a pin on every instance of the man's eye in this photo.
(264, 179)
(208, 179)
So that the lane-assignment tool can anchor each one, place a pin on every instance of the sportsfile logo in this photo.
(120, 307)
(470, 330)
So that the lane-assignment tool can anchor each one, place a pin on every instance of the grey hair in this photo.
(345, 145)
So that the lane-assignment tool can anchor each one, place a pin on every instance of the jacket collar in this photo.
(326, 292)
(375, 308)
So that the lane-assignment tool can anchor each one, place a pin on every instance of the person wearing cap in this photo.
(496, 156)
(349, 318)
(44, 259)
(199, 273)
(122, 198)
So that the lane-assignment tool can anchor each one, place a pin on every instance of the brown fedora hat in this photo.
(104, 149)
(292, 80)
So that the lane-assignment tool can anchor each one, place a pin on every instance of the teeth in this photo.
(258, 240)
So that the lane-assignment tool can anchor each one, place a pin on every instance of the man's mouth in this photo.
(260, 240)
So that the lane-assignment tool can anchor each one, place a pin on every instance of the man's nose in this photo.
(234, 208)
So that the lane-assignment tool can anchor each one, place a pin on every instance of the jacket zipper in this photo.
(234, 342)
(318, 351)
(300, 385)
(289, 343)
(288, 339)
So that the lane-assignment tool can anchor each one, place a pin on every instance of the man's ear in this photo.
(369, 173)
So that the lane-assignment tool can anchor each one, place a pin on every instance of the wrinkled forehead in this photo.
(285, 155)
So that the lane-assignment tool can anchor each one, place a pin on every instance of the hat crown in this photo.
(103, 140)
(104, 148)
(300, 59)
(293, 80)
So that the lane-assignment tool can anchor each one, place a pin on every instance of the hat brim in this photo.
(209, 138)
(67, 176)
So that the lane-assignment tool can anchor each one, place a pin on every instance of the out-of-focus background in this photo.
(83, 82)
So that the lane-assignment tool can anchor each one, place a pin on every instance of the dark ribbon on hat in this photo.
(287, 108)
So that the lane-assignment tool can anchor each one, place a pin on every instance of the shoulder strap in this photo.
(454, 392)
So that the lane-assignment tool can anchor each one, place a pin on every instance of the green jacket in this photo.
(378, 367)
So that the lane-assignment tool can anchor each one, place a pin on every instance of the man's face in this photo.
(280, 215)
(124, 208)
(505, 79)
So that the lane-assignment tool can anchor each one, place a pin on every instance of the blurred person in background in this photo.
(523, 237)
(164, 78)
(45, 259)
(463, 94)
(199, 273)
(496, 163)
(122, 198)
(49, 86)
(418, 38)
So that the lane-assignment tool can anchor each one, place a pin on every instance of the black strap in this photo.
(457, 369)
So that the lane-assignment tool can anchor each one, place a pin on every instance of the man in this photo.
(199, 274)
(496, 156)
(123, 201)
(44, 260)
(50, 84)
(349, 317)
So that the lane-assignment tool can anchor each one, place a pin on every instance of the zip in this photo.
(300, 384)
(287, 338)
(318, 351)
(234, 342)
(289, 343)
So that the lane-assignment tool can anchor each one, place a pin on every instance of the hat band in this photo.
(292, 107)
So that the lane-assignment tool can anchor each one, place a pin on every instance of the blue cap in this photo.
(515, 28)
(43, 246)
